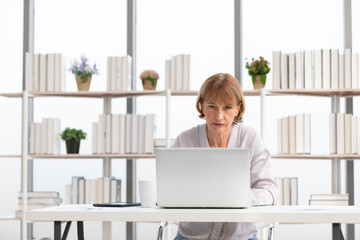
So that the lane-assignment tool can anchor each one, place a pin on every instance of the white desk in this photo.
(268, 214)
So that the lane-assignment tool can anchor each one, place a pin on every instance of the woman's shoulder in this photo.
(249, 135)
(187, 138)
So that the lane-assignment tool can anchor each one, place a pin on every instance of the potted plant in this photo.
(149, 79)
(83, 73)
(72, 138)
(258, 70)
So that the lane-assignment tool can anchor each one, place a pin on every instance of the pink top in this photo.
(263, 187)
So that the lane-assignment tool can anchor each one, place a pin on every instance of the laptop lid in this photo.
(203, 177)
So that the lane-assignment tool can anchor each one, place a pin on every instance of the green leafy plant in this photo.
(72, 133)
(259, 67)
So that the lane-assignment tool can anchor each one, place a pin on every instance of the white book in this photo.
(279, 136)
(37, 138)
(50, 79)
(334, 69)
(292, 134)
(348, 133)
(67, 199)
(167, 74)
(332, 130)
(292, 71)
(149, 133)
(122, 137)
(318, 69)
(36, 76)
(332, 196)
(161, 142)
(126, 73)
(134, 133)
(59, 72)
(108, 74)
(115, 190)
(115, 133)
(354, 134)
(120, 84)
(329, 202)
(44, 139)
(276, 70)
(280, 196)
(299, 133)
(340, 133)
(40, 194)
(293, 191)
(43, 72)
(100, 190)
(284, 71)
(108, 131)
(101, 134)
(82, 191)
(354, 70)
(56, 137)
(285, 135)
(75, 185)
(347, 69)
(87, 191)
(341, 71)
(93, 191)
(307, 133)
(32, 138)
(29, 71)
(141, 133)
(173, 73)
(308, 67)
(179, 72)
(94, 138)
(326, 68)
(286, 190)
(107, 188)
(50, 136)
(186, 67)
(115, 73)
(128, 131)
(298, 70)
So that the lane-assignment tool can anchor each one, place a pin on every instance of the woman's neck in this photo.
(218, 140)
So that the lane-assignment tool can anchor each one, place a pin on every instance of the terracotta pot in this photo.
(147, 85)
(83, 86)
(258, 81)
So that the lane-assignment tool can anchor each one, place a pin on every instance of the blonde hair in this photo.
(221, 86)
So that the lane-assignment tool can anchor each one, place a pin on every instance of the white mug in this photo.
(147, 192)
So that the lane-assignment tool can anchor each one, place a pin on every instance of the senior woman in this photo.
(221, 104)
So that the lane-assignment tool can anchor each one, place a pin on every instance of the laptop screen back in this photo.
(203, 177)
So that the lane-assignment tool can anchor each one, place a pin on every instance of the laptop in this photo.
(203, 177)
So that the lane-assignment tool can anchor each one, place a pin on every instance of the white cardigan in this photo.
(263, 187)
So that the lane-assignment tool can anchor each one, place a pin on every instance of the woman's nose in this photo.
(220, 114)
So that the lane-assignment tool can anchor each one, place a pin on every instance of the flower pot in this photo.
(83, 85)
(72, 146)
(259, 81)
(148, 85)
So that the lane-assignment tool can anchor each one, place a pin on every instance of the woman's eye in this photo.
(228, 107)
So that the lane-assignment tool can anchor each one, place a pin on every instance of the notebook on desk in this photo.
(203, 177)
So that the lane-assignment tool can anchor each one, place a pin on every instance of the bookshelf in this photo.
(317, 156)
(92, 156)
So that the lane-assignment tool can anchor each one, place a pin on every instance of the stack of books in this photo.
(329, 199)
(119, 73)
(45, 137)
(177, 72)
(288, 191)
(39, 200)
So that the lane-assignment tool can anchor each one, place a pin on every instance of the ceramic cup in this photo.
(147, 193)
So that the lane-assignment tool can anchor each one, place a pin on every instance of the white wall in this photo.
(201, 28)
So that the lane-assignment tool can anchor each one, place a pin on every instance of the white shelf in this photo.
(10, 156)
(318, 92)
(94, 156)
(9, 218)
(316, 156)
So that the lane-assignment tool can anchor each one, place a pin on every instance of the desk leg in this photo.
(80, 230)
(336, 230)
(57, 230)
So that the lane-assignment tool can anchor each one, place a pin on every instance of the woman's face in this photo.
(219, 115)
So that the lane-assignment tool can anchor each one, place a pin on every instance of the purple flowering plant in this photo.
(83, 69)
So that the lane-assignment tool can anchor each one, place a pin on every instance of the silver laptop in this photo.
(203, 177)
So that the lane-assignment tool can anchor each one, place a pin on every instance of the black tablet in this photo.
(121, 204)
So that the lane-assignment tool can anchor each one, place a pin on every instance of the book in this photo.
(53, 136)
(347, 68)
(293, 191)
(106, 192)
(334, 69)
(332, 131)
(115, 190)
(299, 133)
(308, 67)
(333, 196)
(307, 133)
(285, 135)
(59, 72)
(115, 133)
(340, 133)
(292, 135)
(108, 132)
(44, 140)
(173, 73)
(286, 191)
(93, 190)
(187, 73)
(341, 71)
(122, 132)
(29, 71)
(32, 138)
(36, 70)
(82, 191)
(354, 70)
(101, 134)
(276, 70)
(141, 133)
(354, 134)
(88, 191)
(128, 131)
(167, 74)
(40, 194)
(126, 73)
(43, 72)
(134, 133)
(318, 69)
(329, 202)
(37, 138)
(298, 70)
(347, 122)
(94, 138)
(161, 142)
(108, 74)
(114, 72)
(179, 72)
(100, 190)
(280, 196)
(284, 71)
(149, 133)
(67, 199)
(326, 68)
(50, 78)
(292, 71)
(75, 185)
